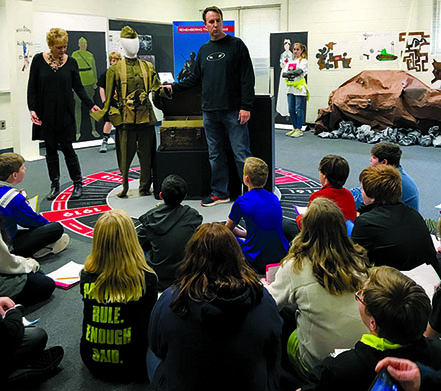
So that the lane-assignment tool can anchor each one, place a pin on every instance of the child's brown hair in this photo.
(10, 162)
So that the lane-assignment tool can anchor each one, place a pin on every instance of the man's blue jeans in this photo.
(296, 107)
(221, 126)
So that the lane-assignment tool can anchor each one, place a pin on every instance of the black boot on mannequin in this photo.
(53, 167)
(73, 166)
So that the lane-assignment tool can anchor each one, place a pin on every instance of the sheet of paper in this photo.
(166, 77)
(67, 275)
(271, 271)
(425, 276)
(436, 242)
(27, 323)
(33, 202)
(301, 210)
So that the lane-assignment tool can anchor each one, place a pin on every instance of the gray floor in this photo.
(61, 316)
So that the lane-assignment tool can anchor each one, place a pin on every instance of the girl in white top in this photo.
(20, 278)
(297, 90)
(320, 275)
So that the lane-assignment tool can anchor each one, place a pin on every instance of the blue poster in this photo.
(188, 37)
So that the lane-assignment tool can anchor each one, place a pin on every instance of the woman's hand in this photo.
(34, 118)
(95, 108)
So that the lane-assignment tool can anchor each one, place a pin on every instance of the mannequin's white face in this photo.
(130, 46)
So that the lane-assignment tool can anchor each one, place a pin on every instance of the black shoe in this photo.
(55, 190)
(77, 191)
(48, 361)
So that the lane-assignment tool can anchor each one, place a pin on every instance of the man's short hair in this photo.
(383, 183)
(336, 169)
(257, 170)
(10, 162)
(173, 189)
(400, 307)
(387, 151)
(212, 8)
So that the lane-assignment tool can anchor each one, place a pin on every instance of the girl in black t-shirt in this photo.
(119, 291)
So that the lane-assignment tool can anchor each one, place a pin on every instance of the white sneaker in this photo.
(53, 248)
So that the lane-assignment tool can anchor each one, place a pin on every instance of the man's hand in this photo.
(169, 87)
(244, 116)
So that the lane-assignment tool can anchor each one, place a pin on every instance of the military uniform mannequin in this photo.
(134, 118)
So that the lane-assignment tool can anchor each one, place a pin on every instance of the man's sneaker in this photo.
(103, 148)
(53, 248)
(48, 361)
(213, 199)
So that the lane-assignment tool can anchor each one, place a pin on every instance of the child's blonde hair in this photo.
(117, 258)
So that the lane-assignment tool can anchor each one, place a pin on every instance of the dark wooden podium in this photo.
(194, 167)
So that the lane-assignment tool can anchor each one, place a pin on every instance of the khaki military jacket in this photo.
(131, 80)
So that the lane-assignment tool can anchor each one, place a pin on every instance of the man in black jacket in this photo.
(224, 68)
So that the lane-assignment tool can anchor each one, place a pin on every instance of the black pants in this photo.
(290, 229)
(28, 241)
(38, 288)
(288, 314)
(65, 147)
(30, 350)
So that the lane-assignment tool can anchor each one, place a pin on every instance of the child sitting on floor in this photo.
(166, 230)
(39, 236)
(333, 172)
(119, 291)
(395, 309)
(263, 241)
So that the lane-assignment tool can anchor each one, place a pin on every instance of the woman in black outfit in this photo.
(52, 78)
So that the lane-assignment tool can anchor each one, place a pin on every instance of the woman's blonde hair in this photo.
(117, 258)
(303, 48)
(338, 264)
(56, 35)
